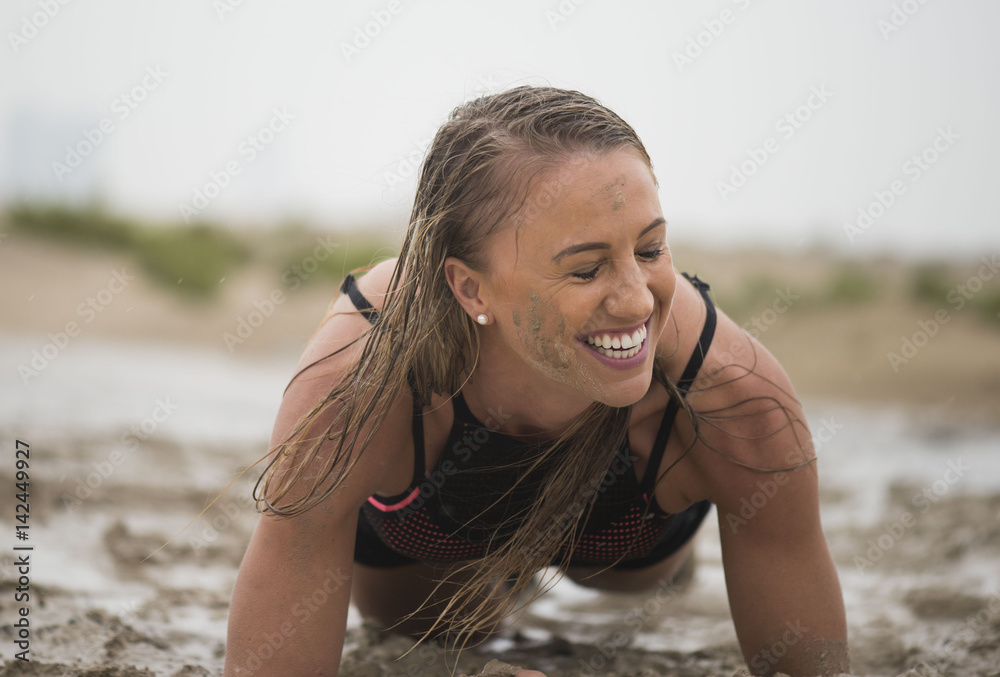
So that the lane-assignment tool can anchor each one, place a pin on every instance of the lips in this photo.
(618, 345)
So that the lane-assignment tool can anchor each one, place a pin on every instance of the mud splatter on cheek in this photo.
(546, 347)
(536, 321)
(562, 343)
(552, 352)
(516, 318)
(552, 349)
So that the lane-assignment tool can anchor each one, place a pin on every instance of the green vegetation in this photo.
(755, 294)
(852, 284)
(931, 283)
(940, 286)
(328, 259)
(89, 226)
(189, 259)
(192, 260)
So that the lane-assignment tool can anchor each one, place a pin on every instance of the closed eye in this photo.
(648, 255)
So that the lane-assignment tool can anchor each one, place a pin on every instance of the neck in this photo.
(516, 401)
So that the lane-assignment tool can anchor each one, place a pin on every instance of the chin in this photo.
(625, 394)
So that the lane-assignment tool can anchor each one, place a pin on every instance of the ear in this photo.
(467, 285)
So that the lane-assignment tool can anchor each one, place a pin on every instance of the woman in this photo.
(530, 384)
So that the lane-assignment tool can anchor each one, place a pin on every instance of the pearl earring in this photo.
(482, 318)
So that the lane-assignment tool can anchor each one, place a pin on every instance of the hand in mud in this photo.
(530, 673)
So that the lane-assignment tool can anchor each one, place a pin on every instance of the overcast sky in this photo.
(320, 121)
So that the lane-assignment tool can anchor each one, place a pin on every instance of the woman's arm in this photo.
(784, 593)
(783, 589)
(289, 608)
(290, 601)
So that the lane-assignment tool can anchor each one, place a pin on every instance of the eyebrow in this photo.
(587, 246)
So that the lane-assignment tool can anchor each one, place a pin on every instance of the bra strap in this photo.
(350, 287)
(419, 464)
(687, 378)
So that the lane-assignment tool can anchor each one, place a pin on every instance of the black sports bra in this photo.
(457, 509)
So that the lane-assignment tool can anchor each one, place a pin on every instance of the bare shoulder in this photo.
(334, 349)
(749, 416)
(343, 322)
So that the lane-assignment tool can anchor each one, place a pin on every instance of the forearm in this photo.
(798, 652)
(289, 613)
(279, 637)
(797, 627)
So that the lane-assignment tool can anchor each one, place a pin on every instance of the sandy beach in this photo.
(144, 416)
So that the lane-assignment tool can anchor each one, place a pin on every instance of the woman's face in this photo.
(581, 285)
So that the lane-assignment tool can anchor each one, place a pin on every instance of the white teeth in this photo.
(622, 346)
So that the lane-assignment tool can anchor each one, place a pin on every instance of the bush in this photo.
(197, 256)
(192, 260)
(853, 284)
(931, 284)
(90, 226)
(353, 251)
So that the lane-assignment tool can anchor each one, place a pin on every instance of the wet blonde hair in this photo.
(481, 174)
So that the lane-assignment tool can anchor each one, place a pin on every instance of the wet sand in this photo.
(132, 438)
(926, 600)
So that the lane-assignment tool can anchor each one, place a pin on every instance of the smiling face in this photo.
(580, 290)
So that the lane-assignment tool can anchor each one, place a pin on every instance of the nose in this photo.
(629, 299)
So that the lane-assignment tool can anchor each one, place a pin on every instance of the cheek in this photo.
(667, 293)
(543, 333)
